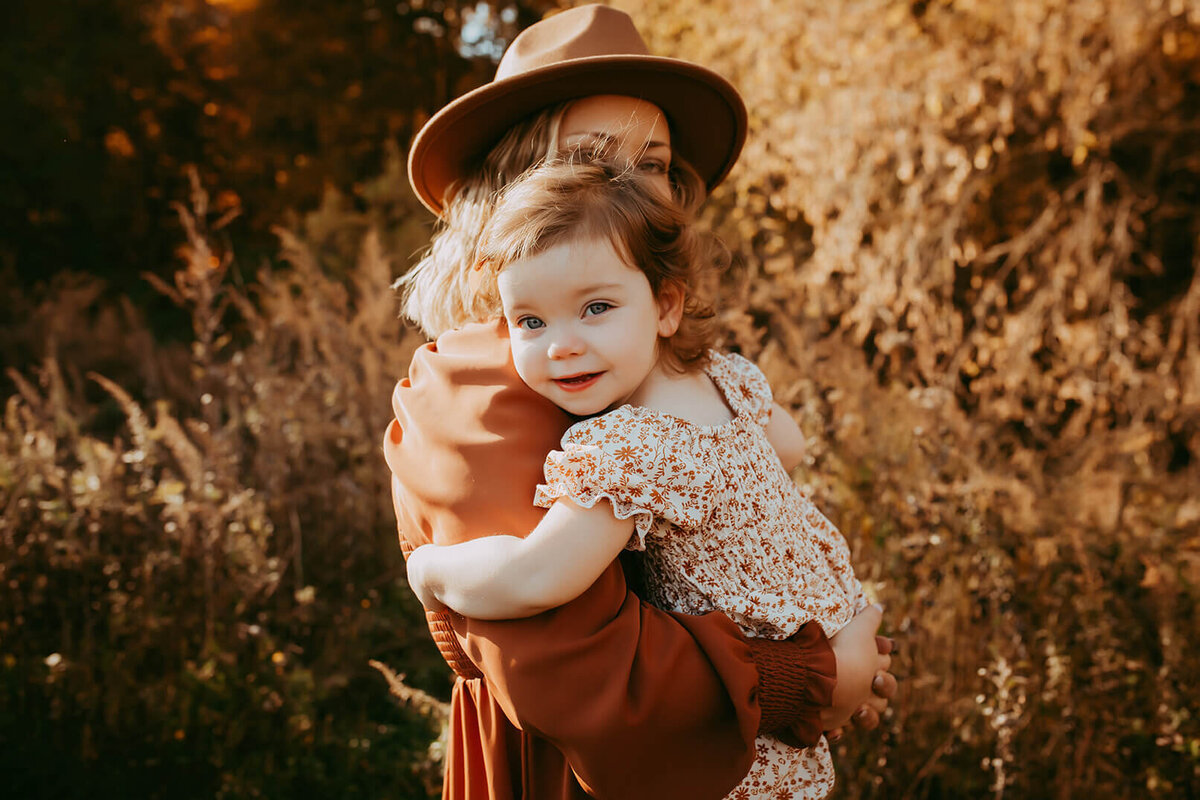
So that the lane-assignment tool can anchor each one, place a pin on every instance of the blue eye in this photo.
(594, 309)
(653, 166)
(530, 323)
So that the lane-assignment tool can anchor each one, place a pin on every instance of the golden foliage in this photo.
(969, 233)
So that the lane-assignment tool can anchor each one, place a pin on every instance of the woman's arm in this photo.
(642, 703)
(506, 577)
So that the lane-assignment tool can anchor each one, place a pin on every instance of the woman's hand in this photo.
(864, 681)
(420, 577)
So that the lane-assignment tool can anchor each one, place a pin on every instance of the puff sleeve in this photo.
(646, 467)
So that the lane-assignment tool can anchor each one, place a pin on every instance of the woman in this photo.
(604, 696)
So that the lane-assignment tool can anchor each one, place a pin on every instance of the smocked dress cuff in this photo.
(795, 682)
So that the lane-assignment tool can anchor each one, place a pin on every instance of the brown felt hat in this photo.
(580, 52)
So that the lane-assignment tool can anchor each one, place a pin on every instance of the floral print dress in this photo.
(724, 527)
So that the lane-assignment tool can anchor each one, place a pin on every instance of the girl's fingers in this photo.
(886, 645)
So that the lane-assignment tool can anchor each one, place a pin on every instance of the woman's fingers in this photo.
(868, 716)
(886, 644)
(875, 703)
(885, 685)
(865, 719)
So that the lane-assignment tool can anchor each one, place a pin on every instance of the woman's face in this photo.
(633, 128)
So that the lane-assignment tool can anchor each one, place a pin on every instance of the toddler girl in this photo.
(597, 273)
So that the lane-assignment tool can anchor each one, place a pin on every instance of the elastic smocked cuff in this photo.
(795, 682)
(447, 644)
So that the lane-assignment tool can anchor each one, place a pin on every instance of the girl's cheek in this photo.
(525, 359)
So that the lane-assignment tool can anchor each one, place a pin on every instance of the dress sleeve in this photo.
(642, 703)
(745, 387)
(645, 465)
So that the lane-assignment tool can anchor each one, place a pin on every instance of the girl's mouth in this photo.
(577, 383)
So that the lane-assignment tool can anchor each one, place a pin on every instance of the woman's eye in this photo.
(596, 308)
(653, 166)
(530, 323)
(589, 152)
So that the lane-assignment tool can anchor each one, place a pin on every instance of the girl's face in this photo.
(584, 325)
(632, 128)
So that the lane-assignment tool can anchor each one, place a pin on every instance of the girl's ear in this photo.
(670, 308)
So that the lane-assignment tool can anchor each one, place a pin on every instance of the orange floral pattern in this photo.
(724, 527)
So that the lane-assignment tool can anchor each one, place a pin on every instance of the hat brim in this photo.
(705, 113)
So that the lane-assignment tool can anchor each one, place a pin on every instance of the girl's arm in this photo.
(505, 577)
(786, 437)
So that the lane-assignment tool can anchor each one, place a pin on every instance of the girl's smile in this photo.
(577, 383)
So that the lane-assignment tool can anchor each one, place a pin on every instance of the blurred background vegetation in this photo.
(968, 261)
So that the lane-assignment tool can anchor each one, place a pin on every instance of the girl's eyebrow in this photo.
(521, 306)
(598, 287)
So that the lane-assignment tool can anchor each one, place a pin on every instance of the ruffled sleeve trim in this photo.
(647, 467)
(643, 518)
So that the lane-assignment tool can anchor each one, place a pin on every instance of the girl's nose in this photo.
(565, 346)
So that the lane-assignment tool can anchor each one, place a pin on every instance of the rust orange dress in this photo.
(605, 696)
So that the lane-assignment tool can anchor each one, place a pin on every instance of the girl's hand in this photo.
(421, 577)
(864, 683)
(884, 686)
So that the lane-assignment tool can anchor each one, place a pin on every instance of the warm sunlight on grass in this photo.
(968, 240)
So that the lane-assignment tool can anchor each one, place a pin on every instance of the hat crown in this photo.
(583, 32)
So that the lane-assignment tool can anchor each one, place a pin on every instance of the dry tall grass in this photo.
(969, 246)
(192, 583)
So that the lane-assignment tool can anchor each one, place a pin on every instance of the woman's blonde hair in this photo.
(439, 292)
(566, 201)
